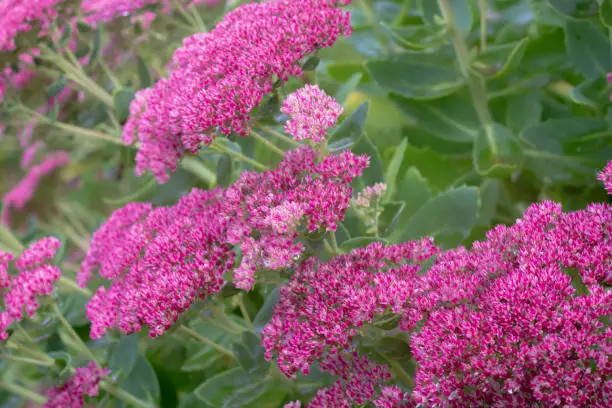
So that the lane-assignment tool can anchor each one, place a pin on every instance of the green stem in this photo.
(373, 21)
(244, 311)
(204, 340)
(267, 143)
(484, 7)
(238, 156)
(10, 240)
(70, 232)
(132, 401)
(334, 243)
(39, 355)
(69, 283)
(197, 168)
(475, 84)
(23, 392)
(279, 135)
(27, 360)
(74, 334)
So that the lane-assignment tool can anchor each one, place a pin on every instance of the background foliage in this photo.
(463, 143)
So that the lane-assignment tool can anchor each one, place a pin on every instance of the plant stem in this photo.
(39, 355)
(267, 143)
(197, 168)
(484, 8)
(334, 243)
(27, 360)
(23, 392)
(475, 84)
(132, 401)
(74, 334)
(244, 311)
(238, 156)
(10, 239)
(69, 283)
(279, 135)
(204, 340)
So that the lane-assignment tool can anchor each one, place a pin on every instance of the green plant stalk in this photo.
(72, 285)
(279, 135)
(475, 84)
(238, 156)
(23, 392)
(484, 8)
(197, 168)
(244, 312)
(71, 233)
(334, 243)
(267, 143)
(204, 340)
(132, 401)
(26, 360)
(82, 346)
(10, 240)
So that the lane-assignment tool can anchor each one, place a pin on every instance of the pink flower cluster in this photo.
(22, 193)
(160, 260)
(312, 113)
(504, 325)
(370, 194)
(220, 76)
(104, 11)
(71, 394)
(324, 304)
(267, 208)
(20, 16)
(35, 278)
(605, 176)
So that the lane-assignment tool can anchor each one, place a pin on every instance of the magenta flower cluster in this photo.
(35, 278)
(21, 16)
(605, 176)
(219, 77)
(160, 260)
(312, 112)
(71, 394)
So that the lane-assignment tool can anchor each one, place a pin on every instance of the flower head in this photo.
(71, 394)
(312, 113)
(219, 77)
(21, 16)
(35, 278)
(606, 177)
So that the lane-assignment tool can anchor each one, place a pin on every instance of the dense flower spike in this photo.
(104, 11)
(360, 381)
(312, 113)
(20, 16)
(71, 394)
(35, 278)
(504, 325)
(606, 177)
(266, 208)
(160, 261)
(220, 76)
(323, 305)
(18, 197)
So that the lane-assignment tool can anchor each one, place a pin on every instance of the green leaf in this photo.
(605, 13)
(418, 37)
(64, 359)
(123, 355)
(268, 393)
(416, 75)
(95, 47)
(394, 167)
(500, 59)
(359, 242)
(352, 127)
(461, 11)
(136, 196)
(576, 9)
(374, 172)
(72, 305)
(144, 76)
(142, 381)
(201, 356)
(414, 192)
(389, 219)
(394, 348)
(224, 170)
(588, 48)
(220, 388)
(523, 110)
(56, 87)
(452, 118)
(265, 313)
(490, 192)
(449, 213)
(122, 97)
(250, 355)
(311, 64)
(593, 92)
(347, 87)
(496, 151)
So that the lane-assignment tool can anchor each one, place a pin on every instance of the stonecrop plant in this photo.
(314, 203)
